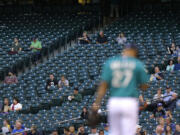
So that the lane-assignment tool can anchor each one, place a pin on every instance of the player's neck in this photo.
(129, 55)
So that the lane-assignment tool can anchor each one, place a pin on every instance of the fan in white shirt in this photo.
(63, 82)
(94, 131)
(16, 106)
(121, 39)
(158, 96)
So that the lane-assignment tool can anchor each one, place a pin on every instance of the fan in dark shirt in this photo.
(101, 39)
(84, 39)
(84, 114)
(158, 111)
(33, 131)
(81, 130)
(177, 131)
(16, 47)
(51, 82)
(172, 49)
(158, 75)
(177, 66)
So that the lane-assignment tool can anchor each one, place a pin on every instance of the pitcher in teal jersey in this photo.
(122, 75)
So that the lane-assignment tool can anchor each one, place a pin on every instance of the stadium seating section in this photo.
(53, 28)
(152, 31)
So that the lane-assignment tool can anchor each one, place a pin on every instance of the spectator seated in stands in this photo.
(6, 127)
(66, 131)
(72, 130)
(94, 131)
(169, 114)
(101, 132)
(158, 111)
(5, 106)
(168, 130)
(76, 96)
(121, 39)
(170, 98)
(159, 96)
(169, 123)
(55, 132)
(63, 82)
(84, 39)
(159, 130)
(106, 129)
(16, 106)
(16, 47)
(170, 67)
(11, 78)
(33, 130)
(51, 82)
(81, 130)
(84, 114)
(172, 49)
(177, 53)
(18, 127)
(162, 123)
(101, 39)
(36, 48)
(158, 75)
(139, 130)
(177, 66)
(177, 131)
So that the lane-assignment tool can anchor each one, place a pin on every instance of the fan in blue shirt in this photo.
(177, 66)
(18, 127)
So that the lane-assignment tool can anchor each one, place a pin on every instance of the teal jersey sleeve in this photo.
(106, 72)
(142, 75)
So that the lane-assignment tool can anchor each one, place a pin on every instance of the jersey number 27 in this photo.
(121, 78)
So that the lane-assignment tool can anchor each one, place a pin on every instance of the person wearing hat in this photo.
(138, 130)
(170, 98)
(122, 75)
(158, 111)
(77, 97)
(106, 129)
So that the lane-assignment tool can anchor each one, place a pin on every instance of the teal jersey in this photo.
(124, 75)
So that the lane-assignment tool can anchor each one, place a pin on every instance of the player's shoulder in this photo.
(112, 59)
(140, 63)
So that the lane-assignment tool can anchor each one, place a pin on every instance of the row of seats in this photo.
(53, 29)
(81, 65)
